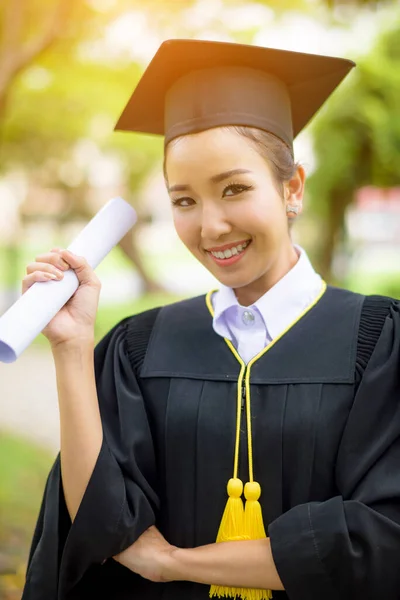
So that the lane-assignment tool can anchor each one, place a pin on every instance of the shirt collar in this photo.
(281, 305)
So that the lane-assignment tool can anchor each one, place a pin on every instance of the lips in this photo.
(235, 255)
(227, 246)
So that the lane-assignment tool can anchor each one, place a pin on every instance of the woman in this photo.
(275, 380)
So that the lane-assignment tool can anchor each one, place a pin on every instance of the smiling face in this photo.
(228, 212)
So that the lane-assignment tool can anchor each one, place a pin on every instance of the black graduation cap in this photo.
(192, 85)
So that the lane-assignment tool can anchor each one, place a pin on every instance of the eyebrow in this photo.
(182, 187)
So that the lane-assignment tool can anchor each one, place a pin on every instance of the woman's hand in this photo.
(149, 556)
(75, 321)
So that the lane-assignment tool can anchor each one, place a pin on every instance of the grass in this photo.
(23, 471)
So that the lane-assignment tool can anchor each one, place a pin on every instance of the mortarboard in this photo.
(192, 85)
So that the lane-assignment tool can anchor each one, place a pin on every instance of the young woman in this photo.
(276, 380)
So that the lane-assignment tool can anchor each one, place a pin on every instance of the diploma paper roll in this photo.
(25, 319)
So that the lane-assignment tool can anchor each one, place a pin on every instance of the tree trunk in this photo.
(129, 247)
(333, 228)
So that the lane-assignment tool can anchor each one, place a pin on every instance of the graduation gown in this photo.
(326, 425)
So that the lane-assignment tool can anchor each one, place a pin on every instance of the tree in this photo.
(357, 141)
(54, 93)
(47, 36)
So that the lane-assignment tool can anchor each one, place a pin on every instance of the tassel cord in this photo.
(238, 421)
(249, 427)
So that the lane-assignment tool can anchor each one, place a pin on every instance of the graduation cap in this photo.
(193, 85)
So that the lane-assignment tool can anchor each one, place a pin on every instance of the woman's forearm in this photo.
(81, 431)
(247, 564)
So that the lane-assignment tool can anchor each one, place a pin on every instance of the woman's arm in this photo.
(80, 424)
(247, 564)
(71, 336)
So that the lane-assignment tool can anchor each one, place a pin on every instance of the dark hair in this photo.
(272, 149)
(278, 155)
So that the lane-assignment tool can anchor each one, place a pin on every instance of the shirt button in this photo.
(248, 317)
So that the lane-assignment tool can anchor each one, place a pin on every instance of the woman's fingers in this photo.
(54, 258)
(50, 266)
(44, 267)
(36, 276)
(83, 270)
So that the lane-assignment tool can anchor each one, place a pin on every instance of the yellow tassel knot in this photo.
(253, 519)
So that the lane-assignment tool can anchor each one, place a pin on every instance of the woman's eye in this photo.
(183, 202)
(234, 189)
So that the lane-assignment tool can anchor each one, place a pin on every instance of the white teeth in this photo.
(232, 251)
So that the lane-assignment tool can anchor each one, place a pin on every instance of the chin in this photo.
(233, 282)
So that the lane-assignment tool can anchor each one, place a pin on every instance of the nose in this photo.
(214, 223)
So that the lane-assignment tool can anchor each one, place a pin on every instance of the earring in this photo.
(292, 209)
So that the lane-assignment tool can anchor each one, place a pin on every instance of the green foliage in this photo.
(70, 93)
(384, 284)
(356, 140)
(78, 99)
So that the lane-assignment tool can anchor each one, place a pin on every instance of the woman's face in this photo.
(228, 212)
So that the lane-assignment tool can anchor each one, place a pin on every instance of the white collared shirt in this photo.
(251, 328)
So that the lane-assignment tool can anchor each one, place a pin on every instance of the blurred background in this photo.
(67, 68)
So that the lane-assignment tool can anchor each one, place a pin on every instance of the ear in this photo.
(294, 189)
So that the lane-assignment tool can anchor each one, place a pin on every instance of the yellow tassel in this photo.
(254, 530)
(230, 529)
(253, 519)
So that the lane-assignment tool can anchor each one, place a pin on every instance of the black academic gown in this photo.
(326, 426)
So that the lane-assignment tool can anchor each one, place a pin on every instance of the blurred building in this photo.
(373, 227)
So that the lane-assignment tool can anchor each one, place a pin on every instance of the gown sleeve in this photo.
(120, 501)
(348, 547)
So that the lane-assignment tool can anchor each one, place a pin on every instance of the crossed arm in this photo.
(247, 564)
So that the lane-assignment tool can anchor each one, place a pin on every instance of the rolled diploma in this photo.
(30, 314)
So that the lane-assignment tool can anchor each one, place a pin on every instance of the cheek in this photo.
(185, 228)
(260, 217)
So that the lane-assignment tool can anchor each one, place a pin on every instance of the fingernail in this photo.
(49, 276)
(59, 273)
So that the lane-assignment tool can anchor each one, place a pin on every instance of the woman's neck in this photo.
(249, 294)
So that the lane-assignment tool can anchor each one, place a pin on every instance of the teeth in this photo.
(231, 252)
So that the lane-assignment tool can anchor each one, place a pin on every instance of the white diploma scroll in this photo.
(27, 317)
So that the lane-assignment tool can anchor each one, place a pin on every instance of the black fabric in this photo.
(374, 312)
(120, 502)
(347, 546)
(326, 458)
(308, 355)
(193, 85)
(138, 334)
